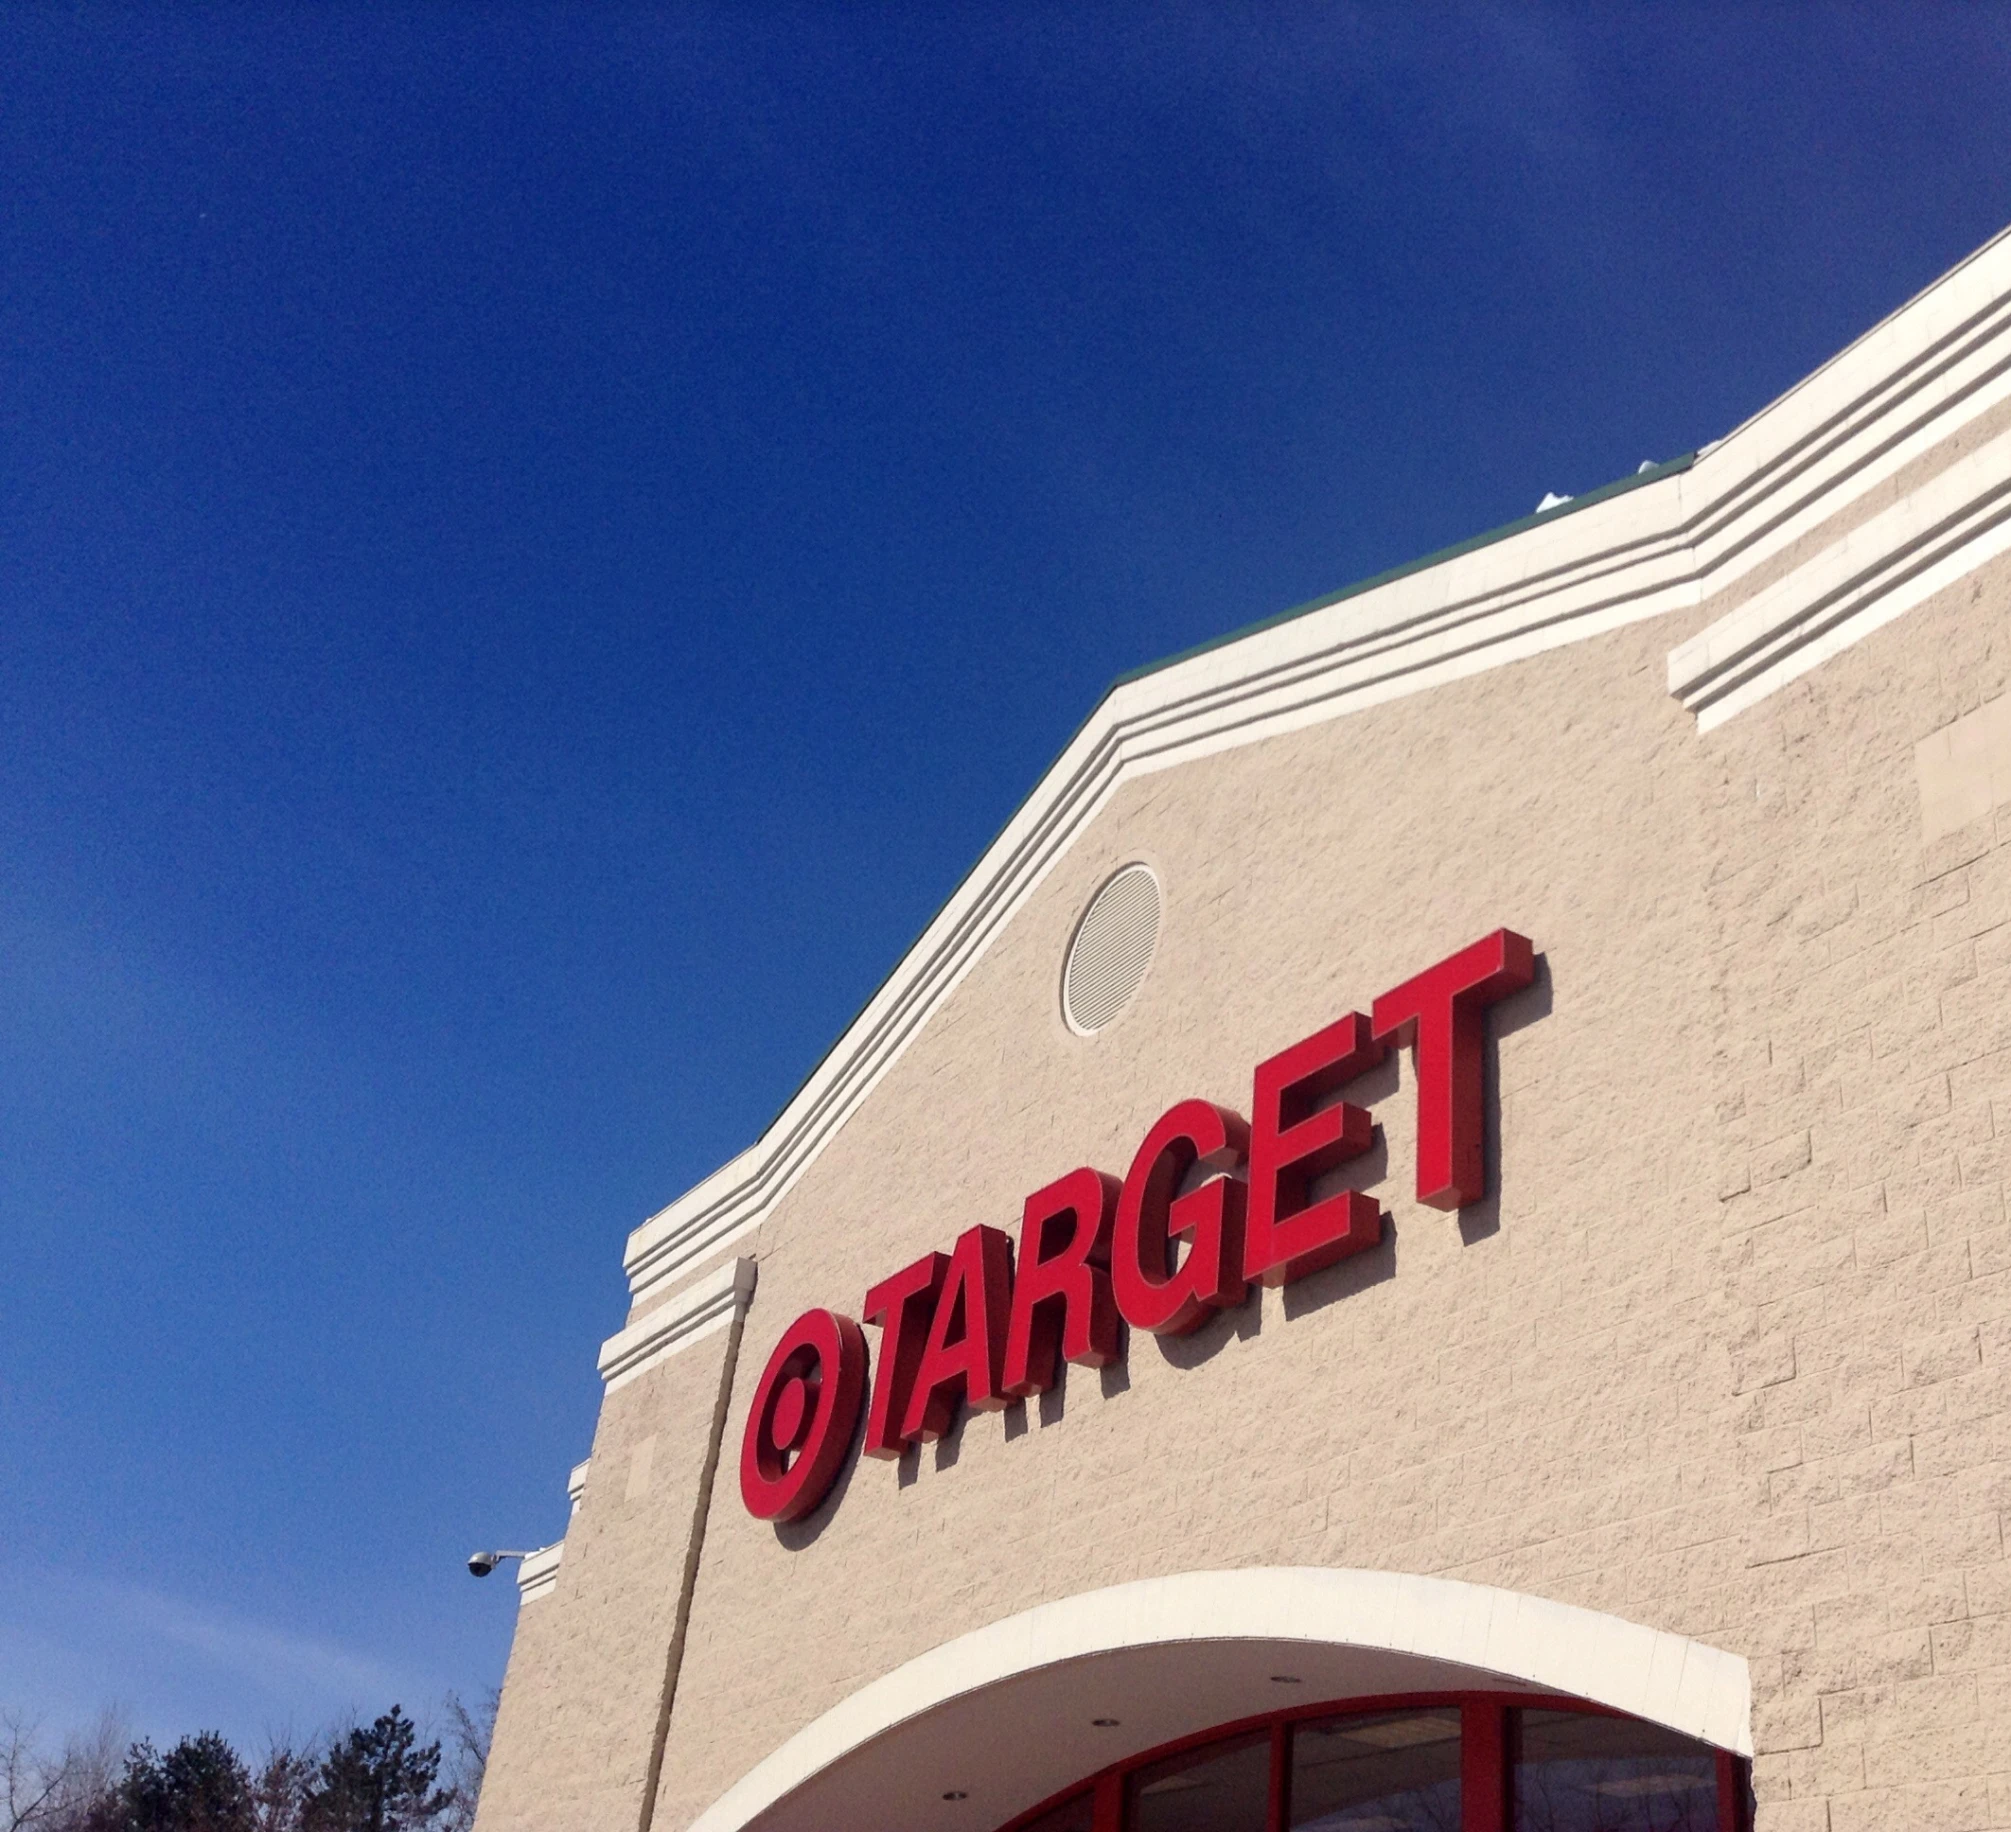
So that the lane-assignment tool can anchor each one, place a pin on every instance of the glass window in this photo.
(1392, 1771)
(1074, 1815)
(1223, 1788)
(1575, 1773)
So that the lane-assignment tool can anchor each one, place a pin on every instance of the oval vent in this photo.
(1112, 948)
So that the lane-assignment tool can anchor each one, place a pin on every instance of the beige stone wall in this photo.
(1725, 1355)
(1537, 1395)
(1864, 985)
(1718, 1360)
(585, 1692)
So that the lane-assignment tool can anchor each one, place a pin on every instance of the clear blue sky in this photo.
(536, 547)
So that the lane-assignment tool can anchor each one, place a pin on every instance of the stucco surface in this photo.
(585, 1684)
(1864, 988)
(1722, 1359)
(1727, 1354)
(1532, 1395)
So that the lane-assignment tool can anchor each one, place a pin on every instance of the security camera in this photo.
(482, 1563)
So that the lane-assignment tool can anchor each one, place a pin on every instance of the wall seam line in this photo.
(688, 1583)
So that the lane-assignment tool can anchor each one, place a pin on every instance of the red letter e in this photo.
(1291, 1143)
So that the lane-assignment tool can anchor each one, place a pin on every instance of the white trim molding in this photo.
(538, 1572)
(1678, 541)
(1519, 1641)
(695, 1312)
(1881, 569)
(576, 1483)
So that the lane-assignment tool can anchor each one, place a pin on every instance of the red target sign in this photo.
(966, 1329)
(804, 1412)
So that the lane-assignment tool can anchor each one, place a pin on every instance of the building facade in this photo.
(1421, 1243)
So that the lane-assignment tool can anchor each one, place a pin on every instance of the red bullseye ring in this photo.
(808, 1402)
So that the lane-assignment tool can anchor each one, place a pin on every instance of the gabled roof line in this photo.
(1647, 475)
(1651, 473)
(1644, 546)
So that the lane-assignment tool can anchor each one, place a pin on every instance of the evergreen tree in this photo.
(198, 1786)
(378, 1780)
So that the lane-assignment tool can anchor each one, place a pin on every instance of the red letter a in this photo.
(1061, 1303)
(966, 1337)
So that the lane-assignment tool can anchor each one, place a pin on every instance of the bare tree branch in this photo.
(31, 1779)
(467, 1739)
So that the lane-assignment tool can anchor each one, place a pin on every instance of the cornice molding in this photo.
(1680, 541)
(1877, 572)
(709, 1304)
(538, 1572)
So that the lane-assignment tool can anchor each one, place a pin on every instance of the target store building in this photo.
(1420, 1244)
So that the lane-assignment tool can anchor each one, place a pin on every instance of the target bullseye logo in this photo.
(803, 1416)
(990, 1324)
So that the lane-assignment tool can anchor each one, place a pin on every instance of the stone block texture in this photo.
(579, 1730)
(1727, 1352)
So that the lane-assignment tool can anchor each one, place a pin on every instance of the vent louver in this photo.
(1112, 948)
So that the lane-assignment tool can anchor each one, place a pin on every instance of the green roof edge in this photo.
(1619, 487)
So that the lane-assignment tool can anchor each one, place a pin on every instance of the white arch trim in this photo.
(1668, 1679)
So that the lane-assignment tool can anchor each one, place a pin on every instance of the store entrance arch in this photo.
(984, 1728)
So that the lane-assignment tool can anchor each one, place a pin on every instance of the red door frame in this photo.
(1484, 1759)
